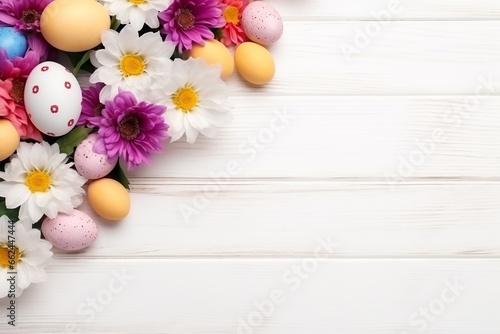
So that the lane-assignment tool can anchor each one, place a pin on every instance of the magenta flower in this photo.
(188, 21)
(24, 15)
(19, 67)
(91, 106)
(131, 129)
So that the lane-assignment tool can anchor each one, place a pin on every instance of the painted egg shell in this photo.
(13, 42)
(89, 164)
(215, 53)
(262, 23)
(70, 232)
(254, 63)
(74, 25)
(9, 139)
(109, 199)
(53, 99)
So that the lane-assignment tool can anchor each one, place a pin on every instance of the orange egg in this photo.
(109, 199)
(74, 25)
(215, 53)
(254, 63)
(9, 139)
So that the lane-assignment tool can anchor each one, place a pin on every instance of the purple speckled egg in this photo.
(89, 164)
(70, 232)
(262, 23)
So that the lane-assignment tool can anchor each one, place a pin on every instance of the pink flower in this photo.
(24, 15)
(233, 33)
(189, 21)
(19, 67)
(131, 130)
(15, 112)
(91, 106)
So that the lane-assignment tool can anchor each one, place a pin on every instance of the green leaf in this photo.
(83, 60)
(119, 175)
(115, 23)
(13, 214)
(68, 143)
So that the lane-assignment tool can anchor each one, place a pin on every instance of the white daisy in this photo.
(196, 100)
(39, 180)
(24, 253)
(136, 12)
(132, 63)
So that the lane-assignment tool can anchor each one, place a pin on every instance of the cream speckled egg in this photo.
(89, 164)
(262, 23)
(70, 232)
(53, 99)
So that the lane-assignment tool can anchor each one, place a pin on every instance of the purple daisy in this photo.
(91, 106)
(188, 21)
(24, 15)
(131, 129)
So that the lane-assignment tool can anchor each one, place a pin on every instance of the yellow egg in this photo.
(9, 139)
(215, 53)
(254, 63)
(74, 25)
(109, 199)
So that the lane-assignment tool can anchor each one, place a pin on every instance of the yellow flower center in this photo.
(9, 257)
(185, 99)
(137, 2)
(231, 14)
(132, 65)
(38, 181)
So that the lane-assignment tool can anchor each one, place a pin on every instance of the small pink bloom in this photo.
(15, 111)
(232, 30)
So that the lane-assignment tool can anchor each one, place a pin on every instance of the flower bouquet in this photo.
(87, 87)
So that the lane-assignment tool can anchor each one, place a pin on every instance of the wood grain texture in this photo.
(212, 296)
(284, 219)
(406, 9)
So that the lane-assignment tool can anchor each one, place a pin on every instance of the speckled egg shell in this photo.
(262, 23)
(89, 164)
(70, 232)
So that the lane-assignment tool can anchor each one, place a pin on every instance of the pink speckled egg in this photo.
(89, 164)
(70, 232)
(262, 23)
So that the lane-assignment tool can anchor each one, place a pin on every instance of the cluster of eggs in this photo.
(263, 25)
(53, 97)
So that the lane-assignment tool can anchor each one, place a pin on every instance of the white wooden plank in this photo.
(285, 219)
(400, 9)
(211, 296)
(339, 137)
(405, 58)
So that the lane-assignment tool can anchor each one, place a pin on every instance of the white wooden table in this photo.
(354, 194)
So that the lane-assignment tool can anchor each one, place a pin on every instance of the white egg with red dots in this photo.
(53, 99)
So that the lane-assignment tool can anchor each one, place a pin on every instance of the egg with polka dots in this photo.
(70, 232)
(53, 99)
(262, 23)
(92, 165)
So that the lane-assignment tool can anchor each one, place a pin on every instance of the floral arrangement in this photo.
(152, 71)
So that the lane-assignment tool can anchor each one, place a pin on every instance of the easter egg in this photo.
(70, 232)
(215, 53)
(109, 199)
(9, 139)
(262, 23)
(89, 164)
(254, 63)
(52, 97)
(13, 42)
(74, 25)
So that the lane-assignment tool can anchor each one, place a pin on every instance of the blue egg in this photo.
(13, 42)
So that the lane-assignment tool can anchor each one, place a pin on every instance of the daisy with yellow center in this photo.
(26, 255)
(196, 100)
(136, 12)
(39, 181)
(138, 64)
(232, 31)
